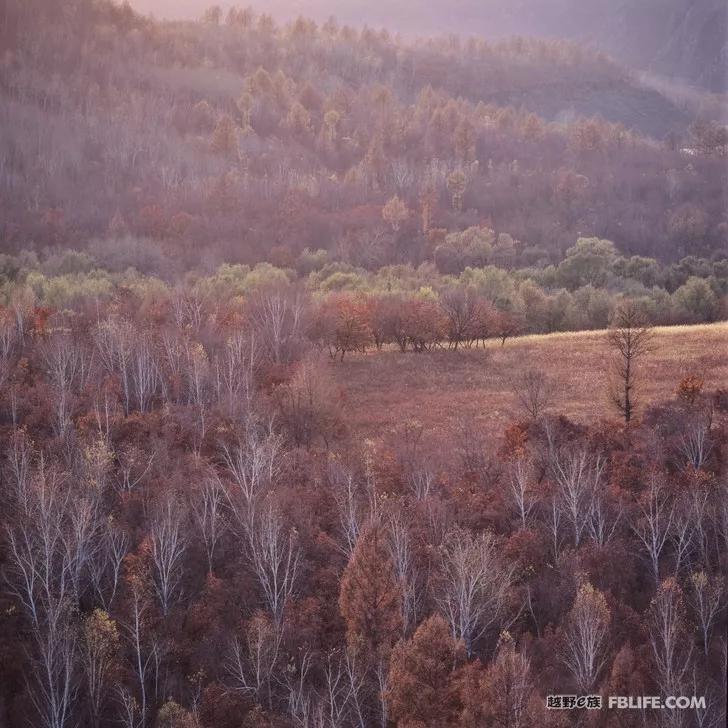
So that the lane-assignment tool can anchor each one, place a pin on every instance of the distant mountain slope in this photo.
(246, 141)
(681, 39)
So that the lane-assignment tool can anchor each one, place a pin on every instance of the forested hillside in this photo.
(199, 530)
(240, 140)
(683, 39)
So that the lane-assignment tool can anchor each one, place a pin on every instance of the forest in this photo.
(252, 142)
(678, 39)
(217, 239)
(194, 534)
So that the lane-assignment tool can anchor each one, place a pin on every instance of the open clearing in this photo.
(383, 389)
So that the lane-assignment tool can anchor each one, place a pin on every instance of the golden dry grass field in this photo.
(383, 389)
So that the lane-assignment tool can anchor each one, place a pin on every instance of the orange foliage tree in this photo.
(370, 597)
(421, 691)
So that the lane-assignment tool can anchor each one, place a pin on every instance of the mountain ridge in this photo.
(685, 40)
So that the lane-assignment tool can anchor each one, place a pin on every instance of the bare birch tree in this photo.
(252, 463)
(705, 597)
(652, 521)
(578, 477)
(474, 584)
(207, 509)
(669, 639)
(251, 667)
(275, 557)
(168, 544)
(587, 627)
(99, 648)
(520, 489)
(403, 561)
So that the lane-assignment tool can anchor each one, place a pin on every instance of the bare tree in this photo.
(113, 339)
(144, 654)
(695, 441)
(145, 376)
(54, 668)
(460, 306)
(521, 490)
(133, 467)
(207, 509)
(682, 534)
(252, 464)
(534, 392)
(713, 713)
(578, 477)
(197, 373)
(43, 561)
(168, 543)
(277, 317)
(702, 499)
(105, 569)
(275, 558)
(355, 503)
(344, 689)
(172, 355)
(587, 627)
(129, 707)
(39, 569)
(630, 339)
(341, 699)
(10, 344)
(99, 647)
(652, 521)
(188, 308)
(251, 668)
(415, 458)
(309, 405)
(671, 645)
(421, 482)
(18, 471)
(130, 355)
(474, 584)
(705, 597)
(234, 373)
(553, 521)
(67, 365)
(303, 706)
(80, 540)
(605, 515)
(403, 561)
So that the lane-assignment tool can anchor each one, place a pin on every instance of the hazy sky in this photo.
(195, 8)
(408, 16)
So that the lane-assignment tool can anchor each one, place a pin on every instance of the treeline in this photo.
(244, 142)
(192, 536)
(349, 309)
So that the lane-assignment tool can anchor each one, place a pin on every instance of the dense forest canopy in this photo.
(237, 139)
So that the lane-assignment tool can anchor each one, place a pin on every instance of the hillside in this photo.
(439, 390)
(199, 135)
(681, 39)
(208, 522)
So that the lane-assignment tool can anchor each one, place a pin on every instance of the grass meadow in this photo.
(382, 389)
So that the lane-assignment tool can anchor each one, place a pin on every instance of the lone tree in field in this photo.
(534, 391)
(630, 339)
